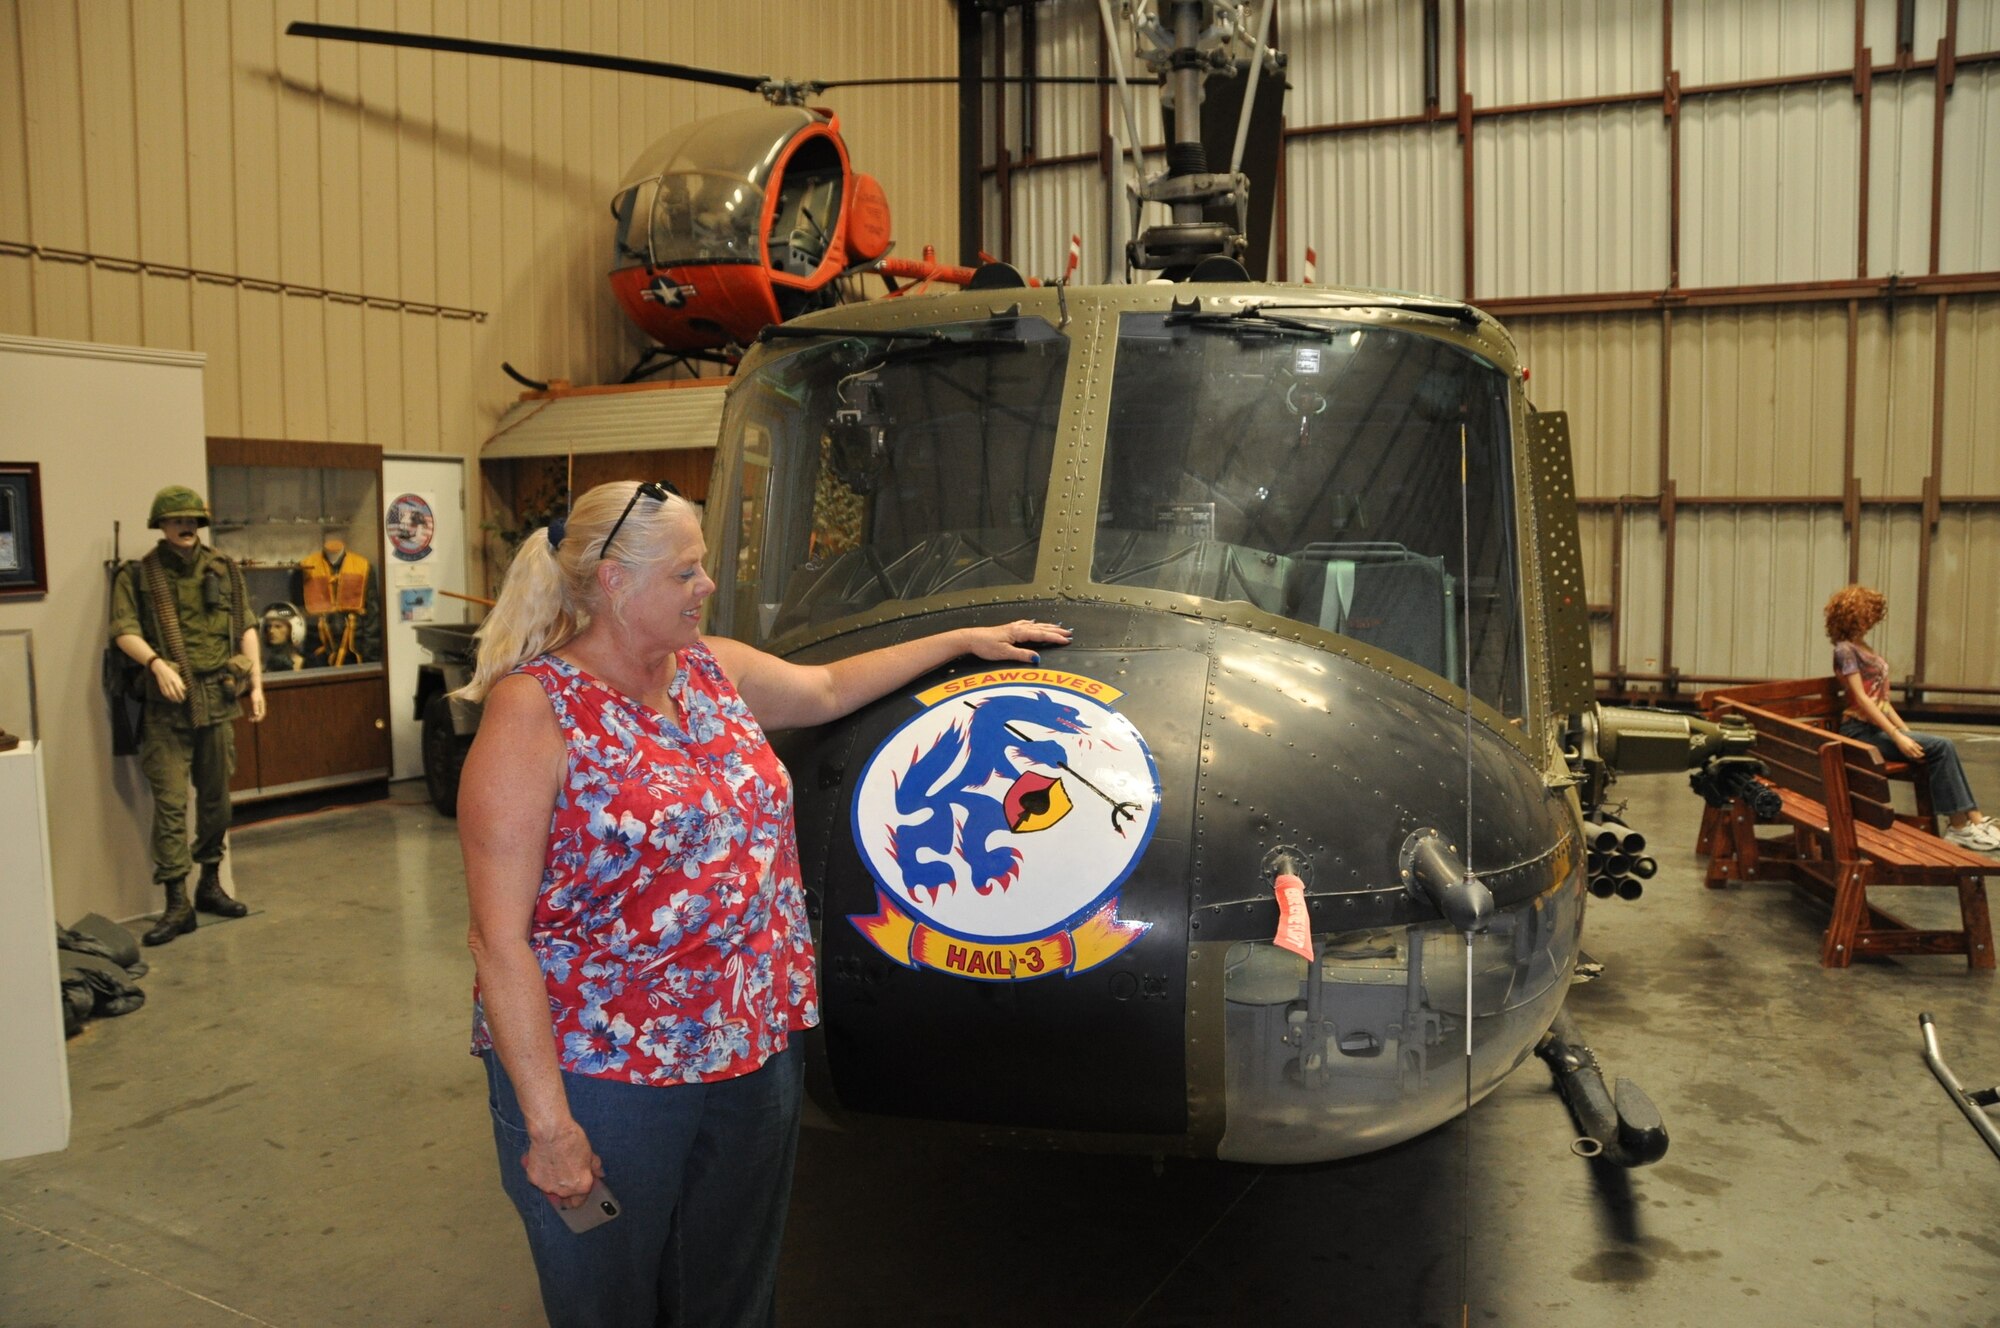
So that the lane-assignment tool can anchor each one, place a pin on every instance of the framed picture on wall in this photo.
(24, 569)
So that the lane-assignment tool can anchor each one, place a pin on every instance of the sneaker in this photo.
(1979, 838)
(1987, 830)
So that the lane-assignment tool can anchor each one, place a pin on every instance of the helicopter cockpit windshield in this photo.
(705, 217)
(1312, 468)
(887, 466)
(699, 195)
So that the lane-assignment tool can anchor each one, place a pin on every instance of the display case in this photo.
(18, 718)
(304, 520)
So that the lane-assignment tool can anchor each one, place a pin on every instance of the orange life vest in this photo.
(328, 591)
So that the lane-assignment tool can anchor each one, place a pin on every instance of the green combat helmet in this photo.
(177, 500)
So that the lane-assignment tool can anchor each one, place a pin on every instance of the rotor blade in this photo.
(509, 51)
(1088, 80)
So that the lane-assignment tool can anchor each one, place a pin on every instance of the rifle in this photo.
(123, 680)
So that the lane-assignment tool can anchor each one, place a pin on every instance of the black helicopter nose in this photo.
(1057, 939)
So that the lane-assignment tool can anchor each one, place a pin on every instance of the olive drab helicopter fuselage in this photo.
(1282, 858)
(1287, 525)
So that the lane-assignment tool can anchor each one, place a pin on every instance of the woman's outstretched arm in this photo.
(783, 695)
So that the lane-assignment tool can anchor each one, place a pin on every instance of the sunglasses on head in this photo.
(657, 490)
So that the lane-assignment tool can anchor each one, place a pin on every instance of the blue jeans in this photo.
(703, 1175)
(1950, 793)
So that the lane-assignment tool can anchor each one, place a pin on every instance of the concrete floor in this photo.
(290, 1133)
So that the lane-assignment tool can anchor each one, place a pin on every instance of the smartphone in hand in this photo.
(597, 1209)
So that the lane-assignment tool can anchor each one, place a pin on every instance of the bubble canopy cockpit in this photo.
(698, 194)
(1326, 470)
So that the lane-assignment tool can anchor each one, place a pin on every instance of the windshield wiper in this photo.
(1004, 327)
(773, 330)
(1456, 310)
(909, 346)
(1251, 319)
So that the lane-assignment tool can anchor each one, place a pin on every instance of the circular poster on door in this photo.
(411, 525)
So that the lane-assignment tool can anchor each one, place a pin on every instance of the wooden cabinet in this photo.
(318, 732)
(275, 502)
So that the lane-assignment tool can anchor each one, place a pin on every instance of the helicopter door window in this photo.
(802, 231)
(902, 474)
(744, 543)
(808, 209)
(1322, 487)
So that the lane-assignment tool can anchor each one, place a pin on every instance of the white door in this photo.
(423, 554)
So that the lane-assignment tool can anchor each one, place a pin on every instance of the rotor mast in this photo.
(1185, 42)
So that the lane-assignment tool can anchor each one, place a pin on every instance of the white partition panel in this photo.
(1969, 210)
(1554, 50)
(34, 1091)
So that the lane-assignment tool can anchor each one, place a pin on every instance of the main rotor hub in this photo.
(789, 91)
(1184, 42)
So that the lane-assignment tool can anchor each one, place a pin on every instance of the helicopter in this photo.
(732, 222)
(1283, 859)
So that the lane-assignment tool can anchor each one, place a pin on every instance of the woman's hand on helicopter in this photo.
(784, 695)
(1015, 640)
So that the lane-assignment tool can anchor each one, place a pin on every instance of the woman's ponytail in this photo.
(533, 616)
(552, 591)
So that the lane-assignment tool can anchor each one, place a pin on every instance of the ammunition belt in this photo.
(160, 590)
(167, 616)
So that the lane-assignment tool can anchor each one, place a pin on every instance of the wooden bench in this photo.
(1818, 703)
(1845, 835)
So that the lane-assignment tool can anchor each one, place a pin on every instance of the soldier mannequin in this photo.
(191, 701)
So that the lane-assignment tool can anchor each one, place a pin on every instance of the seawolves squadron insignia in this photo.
(999, 823)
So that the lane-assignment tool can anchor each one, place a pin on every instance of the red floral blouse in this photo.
(671, 925)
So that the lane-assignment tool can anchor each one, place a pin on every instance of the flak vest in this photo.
(329, 590)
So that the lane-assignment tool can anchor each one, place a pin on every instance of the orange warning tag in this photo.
(1294, 924)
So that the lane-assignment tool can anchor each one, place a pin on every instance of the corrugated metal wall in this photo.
(1064, 129)
(193, 134)
(177, 134)
(1718, 416)
(1768, 183)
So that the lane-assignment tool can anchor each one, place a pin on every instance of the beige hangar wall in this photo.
(352, 239)
(1690, 277)
(84, 411)
(377, 230)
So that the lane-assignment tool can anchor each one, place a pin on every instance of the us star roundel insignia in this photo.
(999, 823)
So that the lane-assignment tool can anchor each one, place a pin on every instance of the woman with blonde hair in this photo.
(1851, 614)
(637, 921)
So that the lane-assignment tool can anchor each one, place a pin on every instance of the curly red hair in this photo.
(1852, 611)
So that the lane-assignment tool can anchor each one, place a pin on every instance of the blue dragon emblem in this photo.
(989, 744)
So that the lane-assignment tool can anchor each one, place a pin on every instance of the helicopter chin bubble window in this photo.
(1312, 468)
(894, 466)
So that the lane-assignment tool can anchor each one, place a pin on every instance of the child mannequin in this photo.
(1850, 615)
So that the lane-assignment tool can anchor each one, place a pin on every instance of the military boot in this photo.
(210, 898)
(178, 917)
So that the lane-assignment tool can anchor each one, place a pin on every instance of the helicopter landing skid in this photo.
(1626, 1128)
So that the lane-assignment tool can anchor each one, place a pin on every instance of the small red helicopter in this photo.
(731, 223)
